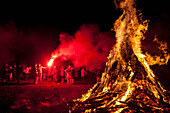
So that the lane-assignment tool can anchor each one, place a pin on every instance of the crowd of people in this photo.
(12, 72)
(38, 73)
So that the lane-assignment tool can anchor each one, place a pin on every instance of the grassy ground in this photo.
(45, 97)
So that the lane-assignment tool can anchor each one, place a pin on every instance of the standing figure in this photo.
(40, 72)
(48, 74)
(14, 72)
(72, 75)
(23, 73)
(7, 73)
(28, 72)
(55, 74)
(62, 74)
(37, 73)
(69, 74)
(18, 73)
(83, 73)
(44, 73)
(10, 73)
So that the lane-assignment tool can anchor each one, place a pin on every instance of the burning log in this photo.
(128, 84)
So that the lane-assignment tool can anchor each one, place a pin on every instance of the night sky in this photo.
(67, 16)
(30, 30)
(61, 15)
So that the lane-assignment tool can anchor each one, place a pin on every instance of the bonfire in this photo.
(128, 84)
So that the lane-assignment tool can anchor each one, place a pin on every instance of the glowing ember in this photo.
(128, 84)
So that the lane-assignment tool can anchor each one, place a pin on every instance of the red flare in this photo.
(50, 63)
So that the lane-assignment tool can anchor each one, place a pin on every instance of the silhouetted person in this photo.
(62, 73)
(18, 73)
(14, 72)
(55, 74)
(37, 75)
(40, 72)
(6, 73)
(27, 71)
(72, 75)
(10, 73)
(23, 72)
(69, 74)
(83, 73)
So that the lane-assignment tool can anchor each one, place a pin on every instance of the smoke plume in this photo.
(88, 47)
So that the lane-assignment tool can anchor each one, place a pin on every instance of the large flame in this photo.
(128, 83)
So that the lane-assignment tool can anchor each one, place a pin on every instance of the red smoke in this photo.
(88, 47)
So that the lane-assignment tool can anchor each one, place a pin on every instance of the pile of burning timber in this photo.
(128, 84)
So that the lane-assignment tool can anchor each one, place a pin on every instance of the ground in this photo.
(46, 97)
